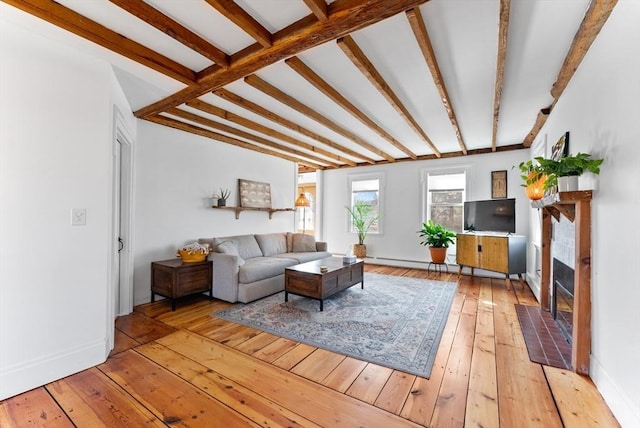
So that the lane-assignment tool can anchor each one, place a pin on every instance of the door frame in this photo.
(122, 277)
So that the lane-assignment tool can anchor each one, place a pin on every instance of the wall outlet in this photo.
(78, 216)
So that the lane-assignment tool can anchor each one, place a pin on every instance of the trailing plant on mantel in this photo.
(550, 170)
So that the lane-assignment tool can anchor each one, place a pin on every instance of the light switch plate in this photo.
(78, 216)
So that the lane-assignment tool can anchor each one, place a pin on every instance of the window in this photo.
(445, 196)
(367, 189)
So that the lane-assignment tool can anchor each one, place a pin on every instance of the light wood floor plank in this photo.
(452, 398)
(313, 401)
(318, 365)
(579, 402)
(341, 378)
(35, 408)
(256, 407)
(482, 399)
(519, 380)
(369, 383)
(395, 392)
(170, 398)
(91, 399)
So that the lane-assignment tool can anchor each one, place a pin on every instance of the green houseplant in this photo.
(222, 197)
(362, 217)
(437, 238)
(568, 166)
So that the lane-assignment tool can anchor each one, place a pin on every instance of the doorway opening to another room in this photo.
(306, 210)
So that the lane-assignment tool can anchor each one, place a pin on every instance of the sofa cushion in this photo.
(272, 243)
(305, 256)
(259, 268)
(246, 244)
(303, 243)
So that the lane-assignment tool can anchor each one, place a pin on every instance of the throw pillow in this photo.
(228, 247)
(303, 243)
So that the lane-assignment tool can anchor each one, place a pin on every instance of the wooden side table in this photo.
(174, 279)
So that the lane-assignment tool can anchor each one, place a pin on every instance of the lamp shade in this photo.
(302, 201)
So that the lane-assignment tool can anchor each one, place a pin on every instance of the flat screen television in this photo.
(494, 215)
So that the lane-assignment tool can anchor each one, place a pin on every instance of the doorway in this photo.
(122, 201)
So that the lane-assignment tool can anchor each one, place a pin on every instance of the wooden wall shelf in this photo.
(238, 210)
(576, 207)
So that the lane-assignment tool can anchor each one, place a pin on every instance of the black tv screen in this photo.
(495, 215)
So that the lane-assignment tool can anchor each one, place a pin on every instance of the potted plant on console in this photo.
(362, 218)
(437, 238)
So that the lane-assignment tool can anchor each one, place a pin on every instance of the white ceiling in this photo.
(464, 35)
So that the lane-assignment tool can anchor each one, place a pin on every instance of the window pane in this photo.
(366, 191)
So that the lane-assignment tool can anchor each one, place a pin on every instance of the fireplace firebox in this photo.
(562, 297)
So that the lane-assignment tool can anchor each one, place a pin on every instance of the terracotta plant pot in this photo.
(360, 250)
(438, 254)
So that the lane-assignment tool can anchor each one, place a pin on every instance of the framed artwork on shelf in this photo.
(254, 194)
(499, 184)
(561, 148)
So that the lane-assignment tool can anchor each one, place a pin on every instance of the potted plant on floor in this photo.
(437, 238)
(362, 218)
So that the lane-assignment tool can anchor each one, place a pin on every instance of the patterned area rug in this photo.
(394, 321)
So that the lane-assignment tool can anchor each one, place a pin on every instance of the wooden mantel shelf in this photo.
(563, 203)
(238, 210)
(576, 207)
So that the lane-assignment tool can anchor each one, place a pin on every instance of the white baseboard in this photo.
(623, 408)
(31, 374)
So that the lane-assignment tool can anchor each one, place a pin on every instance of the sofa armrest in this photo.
(225, 276)
(321, 246)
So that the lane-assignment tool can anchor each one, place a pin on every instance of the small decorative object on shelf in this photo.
(193, 252)
(222, 197)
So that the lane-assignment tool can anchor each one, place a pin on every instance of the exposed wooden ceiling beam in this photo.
(288, 100)
(422, 36)
(231, 117)
(503, 30)
(162, 22)
(345, 16)
(79, 25)
(176, 124)
(246, 135)
(360, 60)
(303, 70)
(242, 19)
(318, 8)
(594, 19)
(268, 114)
(591, 25)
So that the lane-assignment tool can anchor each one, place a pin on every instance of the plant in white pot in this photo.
(568, 168)
(362, 218)
(437, 238)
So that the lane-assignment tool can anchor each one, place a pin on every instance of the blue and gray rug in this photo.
(395, 321)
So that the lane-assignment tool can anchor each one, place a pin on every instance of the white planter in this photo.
(568, 184)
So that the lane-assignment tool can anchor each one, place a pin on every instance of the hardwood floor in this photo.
(187, 368)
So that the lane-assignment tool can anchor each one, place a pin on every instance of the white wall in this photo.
(176, 174)
(402, 213)
(55, 155)
(600, 109)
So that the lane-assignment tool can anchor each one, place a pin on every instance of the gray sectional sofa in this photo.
(249, 267)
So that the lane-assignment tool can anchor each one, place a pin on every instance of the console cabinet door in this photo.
(494, 253)
(466, 250)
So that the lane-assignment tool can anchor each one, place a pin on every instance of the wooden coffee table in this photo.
(307, 280)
